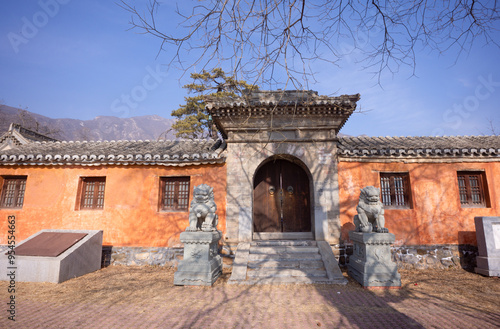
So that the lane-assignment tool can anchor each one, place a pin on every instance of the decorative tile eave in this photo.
(419, 159)
(468, 148)
(344, 101)
(119, 160)
(428, 155)
(398, 153)
(280, 103)
(164, 153)
(123, 163)
(101, 159)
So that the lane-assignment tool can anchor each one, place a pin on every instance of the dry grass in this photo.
(454, 285)
(120, 284)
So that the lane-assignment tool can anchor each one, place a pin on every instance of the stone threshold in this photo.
(283, 236)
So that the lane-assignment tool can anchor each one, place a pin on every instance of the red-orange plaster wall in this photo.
(130, 216)
(436, 216)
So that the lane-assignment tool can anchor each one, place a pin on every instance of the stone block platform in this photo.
(46, 261)
(488, 243)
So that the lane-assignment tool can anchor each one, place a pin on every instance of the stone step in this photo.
(285, 243)
(306, 264)
(285, 262)
(273, 263)
(284, 256)
(268, 273)
(269, 250)
(291, 280)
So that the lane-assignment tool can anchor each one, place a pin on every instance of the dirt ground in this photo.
(120, 284)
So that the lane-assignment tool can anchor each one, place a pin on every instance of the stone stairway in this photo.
(286, 262)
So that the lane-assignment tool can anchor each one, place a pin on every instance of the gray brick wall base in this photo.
(138, 256)
(424, 256)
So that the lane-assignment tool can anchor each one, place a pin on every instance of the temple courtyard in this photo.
(145, 297)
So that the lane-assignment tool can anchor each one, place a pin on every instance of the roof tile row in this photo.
(165, 152)
(184, 152)
(282, 98)
(454, 146)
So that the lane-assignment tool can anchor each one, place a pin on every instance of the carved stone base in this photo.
(370, 263)
(202, 264)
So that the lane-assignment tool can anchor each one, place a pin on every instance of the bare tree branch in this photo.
(271, 41)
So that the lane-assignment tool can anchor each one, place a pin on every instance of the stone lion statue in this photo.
(202, 214)
(370, 217)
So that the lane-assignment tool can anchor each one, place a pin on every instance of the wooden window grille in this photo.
(174, 193)
(472, 189)
(395, 190)
(13, 191)
(93, 192)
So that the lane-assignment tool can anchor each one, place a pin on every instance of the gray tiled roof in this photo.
(454, 146)
(31, 135)
(18, 135)
(168, 153)
(282, 98)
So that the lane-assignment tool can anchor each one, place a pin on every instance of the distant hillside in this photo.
(99, 128)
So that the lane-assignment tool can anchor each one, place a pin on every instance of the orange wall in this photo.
(437, 216)
(130, 216)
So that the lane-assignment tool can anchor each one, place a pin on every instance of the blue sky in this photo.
(77, 59)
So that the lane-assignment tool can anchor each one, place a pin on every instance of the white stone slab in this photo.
(496, 234)
(488, 245)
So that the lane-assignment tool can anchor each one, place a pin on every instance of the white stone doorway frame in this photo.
(318, 159)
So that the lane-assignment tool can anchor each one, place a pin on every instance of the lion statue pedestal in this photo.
(202, 264)
(371, 264)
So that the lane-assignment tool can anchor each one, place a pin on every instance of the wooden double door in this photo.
(281, 198)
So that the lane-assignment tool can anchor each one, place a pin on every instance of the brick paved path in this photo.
(227, 306)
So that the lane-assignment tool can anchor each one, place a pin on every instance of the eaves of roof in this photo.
(343, 101)
(419, 147)
(164, 152)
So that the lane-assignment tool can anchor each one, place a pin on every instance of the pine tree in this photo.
(192, 118)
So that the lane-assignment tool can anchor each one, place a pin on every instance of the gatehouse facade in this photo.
(280, 172)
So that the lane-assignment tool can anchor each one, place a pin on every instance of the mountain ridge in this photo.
(102, 127)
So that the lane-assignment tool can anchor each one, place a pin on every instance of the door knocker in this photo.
(290, 190)
(272, 189)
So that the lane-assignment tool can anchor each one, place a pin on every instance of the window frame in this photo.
(406, 190)
(97, 202)
(20, 186)
(482, 187)
(180, 197)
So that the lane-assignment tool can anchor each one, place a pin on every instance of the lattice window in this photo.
(13, 191)
(395, 190)
(174, 193)
(472, 188)
(92, 192)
